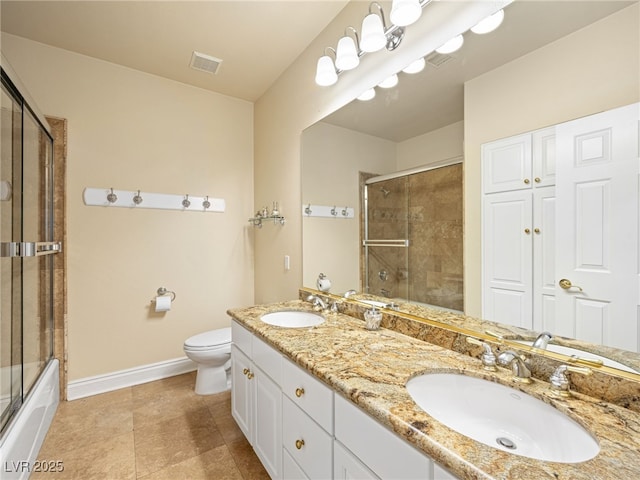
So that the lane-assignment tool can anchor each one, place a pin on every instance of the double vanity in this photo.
(320, 396)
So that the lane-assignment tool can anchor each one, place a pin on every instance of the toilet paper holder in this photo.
(162, 292)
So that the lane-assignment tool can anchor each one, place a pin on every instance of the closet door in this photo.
(544, 259)
(508, 231)
(597, 228)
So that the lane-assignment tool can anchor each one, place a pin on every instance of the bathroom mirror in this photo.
(384, 135)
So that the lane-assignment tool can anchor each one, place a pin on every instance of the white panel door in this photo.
(544, 258)
(506, 164)
(242, 401)
(508, 230)
(544, 157)
(597, 228)
(268, 423)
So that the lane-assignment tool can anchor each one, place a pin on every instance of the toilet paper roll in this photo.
(163, 303)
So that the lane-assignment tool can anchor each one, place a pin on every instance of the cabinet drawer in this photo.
(241, 337)
(268, 359)
(309, 393)
(386, 454)
(308, 444)
(290, 469)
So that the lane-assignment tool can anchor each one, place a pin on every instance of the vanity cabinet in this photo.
(300, 429)
(518, 224)
(375, 450)
(256, 398)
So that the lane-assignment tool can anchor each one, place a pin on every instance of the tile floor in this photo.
(159, 430)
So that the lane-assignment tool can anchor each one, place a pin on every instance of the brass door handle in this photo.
(299, 444)
(566, 284)
(299, 392)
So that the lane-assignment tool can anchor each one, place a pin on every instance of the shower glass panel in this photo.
(26, 241)
(425, 210)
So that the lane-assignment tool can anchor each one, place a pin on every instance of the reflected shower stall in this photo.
(412, 236)
(26, 275)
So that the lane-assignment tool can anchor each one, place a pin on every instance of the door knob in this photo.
(566, 284)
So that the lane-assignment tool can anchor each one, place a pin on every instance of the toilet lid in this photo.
(211, 338)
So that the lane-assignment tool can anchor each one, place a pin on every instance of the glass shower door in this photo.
(10, 284)
(26, 240)
(386, 241)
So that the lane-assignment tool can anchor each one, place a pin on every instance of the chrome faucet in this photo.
(348, 293)
(521, 372)
(317, 302)
(488, 358)
(542, 341)
(560, 385)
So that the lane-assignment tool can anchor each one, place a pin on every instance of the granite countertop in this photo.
(371, 369)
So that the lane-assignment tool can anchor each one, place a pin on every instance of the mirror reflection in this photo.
(374, 147)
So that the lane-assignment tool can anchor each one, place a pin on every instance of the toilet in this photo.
(211, 351)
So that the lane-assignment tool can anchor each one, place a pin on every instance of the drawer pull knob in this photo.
(299, 392)
(299, 444)
(245, 371)
(250, 375)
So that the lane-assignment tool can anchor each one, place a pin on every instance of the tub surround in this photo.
(371, 368)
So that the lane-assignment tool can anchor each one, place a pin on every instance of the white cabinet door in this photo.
(507, 248)
(241, 392)
(384, 452)
(597, 228)
(544, 258)
(543, 145)
(506, 164)
(346, 466)
(268, 423)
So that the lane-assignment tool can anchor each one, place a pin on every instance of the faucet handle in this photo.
(560, 385)
(488, 357)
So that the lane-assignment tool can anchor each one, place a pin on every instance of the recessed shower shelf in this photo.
(109, 197)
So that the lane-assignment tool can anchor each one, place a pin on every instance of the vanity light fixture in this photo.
(373, 30)
(367, 95)
(326, 73)
(348, 51)
(489, 24)
(452, 45)
(416, 66)
(405, 12)
(389, 82)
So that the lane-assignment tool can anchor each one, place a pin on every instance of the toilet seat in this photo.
(209, 340)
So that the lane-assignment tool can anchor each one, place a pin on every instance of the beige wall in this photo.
(129, 130)
(294, 103)
(594, 69)
(441, 144)
(332, 159)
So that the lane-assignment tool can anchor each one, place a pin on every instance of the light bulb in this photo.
(389, 82)
(452, 45)
(346, 54)
(415, 66)
(405, 12)
(489, 24)
(367, 95)
(373, 37)
(326, 72)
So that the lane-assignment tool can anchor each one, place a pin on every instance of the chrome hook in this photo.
(112, 197)
(137, 199)
(206, 204)
(186, 202)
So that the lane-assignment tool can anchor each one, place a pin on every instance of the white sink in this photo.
(502, 417)
(569, 351)
(292, 319)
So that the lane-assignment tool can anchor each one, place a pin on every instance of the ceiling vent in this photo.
(436, 59)
(205, 63)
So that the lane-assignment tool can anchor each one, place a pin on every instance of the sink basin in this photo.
(292, 319)
(502, 417)
(569, 351)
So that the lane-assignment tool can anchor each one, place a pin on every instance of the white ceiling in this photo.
(257, 40)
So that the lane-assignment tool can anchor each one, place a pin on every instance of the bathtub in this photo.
(23, 437)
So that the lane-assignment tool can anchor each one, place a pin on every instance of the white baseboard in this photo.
(85, 387)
